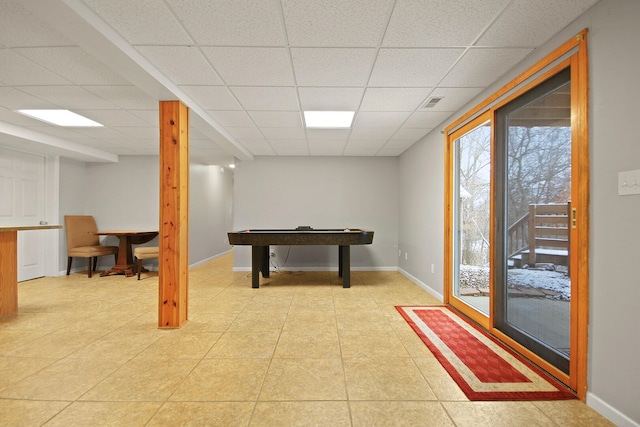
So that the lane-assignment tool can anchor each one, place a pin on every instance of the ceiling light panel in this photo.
(60, 118)
(328, 119)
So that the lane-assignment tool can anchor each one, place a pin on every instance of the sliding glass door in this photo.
(472, 225)
(533, 202)
(517, 214)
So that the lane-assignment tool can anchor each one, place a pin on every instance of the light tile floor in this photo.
(299, 351)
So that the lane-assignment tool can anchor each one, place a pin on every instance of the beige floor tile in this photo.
(209, 321)
(66, 379)
(439, 379)
(385, 379)
(181, 344)
(258, 321)
(301, 414)
(203, 414)
(246, 344)
(496, 414)
(28, 412)
(572, 413)
(310, 320)
(305, 344)
(371, 344)
(121, 414)
(120, 344)
(396, 414)
(57, 344)
(232, 379)
(301, 350)
(304, 379)
(11, 339)
(14, 369)
(361, 320)
(142, 380)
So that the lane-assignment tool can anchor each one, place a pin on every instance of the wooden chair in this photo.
(83, 242)
(145, 252)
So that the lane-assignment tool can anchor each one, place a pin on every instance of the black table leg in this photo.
(264, 261)
(256, 254)
(344, 265)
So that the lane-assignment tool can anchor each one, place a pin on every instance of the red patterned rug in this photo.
(484, 368)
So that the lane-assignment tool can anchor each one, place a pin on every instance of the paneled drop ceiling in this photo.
(248, 68)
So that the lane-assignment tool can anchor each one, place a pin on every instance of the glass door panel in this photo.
(534, 187)
(471, 219)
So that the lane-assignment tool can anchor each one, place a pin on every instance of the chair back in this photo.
(81, 231)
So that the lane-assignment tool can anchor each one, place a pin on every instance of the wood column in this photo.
(173, 268)
(8, 272)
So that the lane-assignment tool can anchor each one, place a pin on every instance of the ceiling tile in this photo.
(425, 120)
(328, 134)
(70, 97)
(14, 99)
(251, 66)
(443, 23)
(116, 118)
(141, 21)
(336, 22)
(481, 67)
(393, 99)
(14, 19)
(245, 132)
(258, 147)
(372, 133)
(127, 97)
(273, 119)
(230, 22)
(412, 67)
(527, 23)
(413, 134)
(74, 64)
(267, 98)
(19, 71)
(326, 148)
(172, 59)
(212, 97)
(332, 67)
(453, 98)
(380, 119)
(231, 118)
(330, 98)
(284, 133)
(290, 147)
(361, 152)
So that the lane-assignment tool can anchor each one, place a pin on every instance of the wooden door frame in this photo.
(572, 53)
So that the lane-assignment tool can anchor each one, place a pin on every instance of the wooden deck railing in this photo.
(546, 226)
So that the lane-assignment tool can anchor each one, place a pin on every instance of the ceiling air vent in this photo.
(431, 102)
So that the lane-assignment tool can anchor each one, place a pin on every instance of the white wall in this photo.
(322, 192)
(125, 195)
(614, 350)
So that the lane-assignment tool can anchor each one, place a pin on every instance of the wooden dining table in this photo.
(127, 238)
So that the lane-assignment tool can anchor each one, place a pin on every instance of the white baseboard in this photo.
(204, 261)
(609, 412)
(322, 269)
(422, 285)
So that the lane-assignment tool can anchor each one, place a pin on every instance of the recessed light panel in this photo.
(60, 118)
(328, 119)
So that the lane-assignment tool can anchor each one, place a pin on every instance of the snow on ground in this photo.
(557, 281)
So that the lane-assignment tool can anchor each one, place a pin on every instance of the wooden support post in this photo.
(8, 272)
(173, 268)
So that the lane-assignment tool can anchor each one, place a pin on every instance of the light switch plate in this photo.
(628, 183)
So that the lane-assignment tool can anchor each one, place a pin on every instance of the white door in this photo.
(22, 195)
